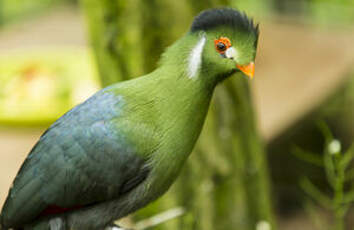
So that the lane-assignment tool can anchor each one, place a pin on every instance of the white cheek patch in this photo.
(231, 53)
(195, 58)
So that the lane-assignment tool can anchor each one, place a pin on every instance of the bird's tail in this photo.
(1, 225)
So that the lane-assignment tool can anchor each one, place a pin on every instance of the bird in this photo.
(124, 146)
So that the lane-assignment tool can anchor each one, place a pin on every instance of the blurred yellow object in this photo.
(36, 88)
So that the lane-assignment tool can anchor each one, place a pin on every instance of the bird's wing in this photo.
(80, 160)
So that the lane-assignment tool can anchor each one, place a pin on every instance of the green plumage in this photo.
(123, 147)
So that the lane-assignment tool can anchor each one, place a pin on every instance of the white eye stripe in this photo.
(195, 58)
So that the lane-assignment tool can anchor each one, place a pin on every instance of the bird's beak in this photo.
(247, 69)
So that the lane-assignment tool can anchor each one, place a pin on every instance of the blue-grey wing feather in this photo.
(81, 159)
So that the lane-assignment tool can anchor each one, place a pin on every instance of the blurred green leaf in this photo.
(347, 158)
(36, 87)
(316, 193)
(330, 169)
(307, 156)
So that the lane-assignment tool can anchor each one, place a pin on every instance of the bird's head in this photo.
(225, 42)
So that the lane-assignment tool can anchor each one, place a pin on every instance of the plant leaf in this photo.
(315, 193)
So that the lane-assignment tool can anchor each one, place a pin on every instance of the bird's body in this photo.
(122, 148)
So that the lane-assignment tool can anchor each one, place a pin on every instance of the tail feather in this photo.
(1, 224)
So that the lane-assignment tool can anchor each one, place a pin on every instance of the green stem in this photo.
(338, 200)
(114, 49)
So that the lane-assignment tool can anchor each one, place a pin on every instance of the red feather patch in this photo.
(54, 209)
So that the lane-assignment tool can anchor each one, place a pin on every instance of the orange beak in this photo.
(247, 69)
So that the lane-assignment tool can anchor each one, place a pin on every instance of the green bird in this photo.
(123, 147)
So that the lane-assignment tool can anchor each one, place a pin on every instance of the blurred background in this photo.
(56, 53)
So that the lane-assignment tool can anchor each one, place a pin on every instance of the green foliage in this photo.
(339, 174)
(321, 12)
(331, 11)
(26, 76)
(14, 10)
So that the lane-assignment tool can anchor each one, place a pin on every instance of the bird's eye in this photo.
(221, 47)
(222, 44)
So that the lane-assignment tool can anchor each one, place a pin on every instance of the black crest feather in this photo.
(210, 19)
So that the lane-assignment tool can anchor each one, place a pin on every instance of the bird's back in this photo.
(82, 159)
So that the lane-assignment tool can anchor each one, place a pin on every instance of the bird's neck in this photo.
(182, 102)
(183, 61)
(185, 88)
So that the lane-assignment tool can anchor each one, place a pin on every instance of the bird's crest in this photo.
(210, 19)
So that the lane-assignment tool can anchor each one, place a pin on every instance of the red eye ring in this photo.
(222, 44)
